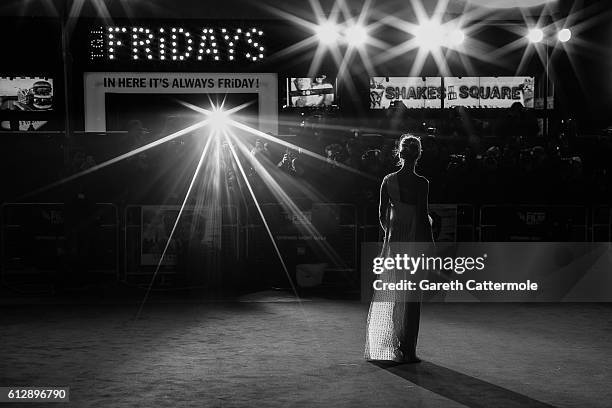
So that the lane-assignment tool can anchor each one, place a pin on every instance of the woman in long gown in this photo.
(393, 319)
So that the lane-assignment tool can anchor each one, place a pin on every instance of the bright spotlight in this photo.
(356, 35)
(327, 33)
(430, 35)
(535, 35)
(564, 35)
(218, 119)
(456, 37)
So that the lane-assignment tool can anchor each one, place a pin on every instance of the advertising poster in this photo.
(202, 226)
(23, 125)
(444, 226)
(311, 92)
(469, 92)
(413, 92)
(489, 92)
(26, 94)
(136, 90)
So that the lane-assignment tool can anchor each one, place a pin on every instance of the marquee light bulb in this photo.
(144, 43)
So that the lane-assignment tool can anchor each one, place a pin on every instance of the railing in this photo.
(451, 223)
(207, 238)
(37, 238)
(218, 245)
(533, 223)
(601, 223)
(312, 233)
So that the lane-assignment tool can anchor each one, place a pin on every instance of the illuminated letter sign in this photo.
(176, 43)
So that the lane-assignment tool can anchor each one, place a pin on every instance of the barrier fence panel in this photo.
(451, 223)
(533, 223)
(203, 251)
(337, 225)
(322, 234)
(466, 223)
(74, 243)
(601, 224)
(370, 227)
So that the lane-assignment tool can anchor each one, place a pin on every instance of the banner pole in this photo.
(66, 29)
(546, 91)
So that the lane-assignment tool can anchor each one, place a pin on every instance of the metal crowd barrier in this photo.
(37, 237)
(40, 238)
(533, 223)
(342, 230)
(196, 254)
(369, 225)
(312, 233)
(458, 227)
(466, 223)
(601, 223)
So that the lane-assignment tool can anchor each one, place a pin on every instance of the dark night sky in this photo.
(583, 72)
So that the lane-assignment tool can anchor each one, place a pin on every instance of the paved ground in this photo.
(280, 354)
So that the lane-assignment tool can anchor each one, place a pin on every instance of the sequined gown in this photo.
(393, 319)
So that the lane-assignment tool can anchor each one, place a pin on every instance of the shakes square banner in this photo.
(449, 92)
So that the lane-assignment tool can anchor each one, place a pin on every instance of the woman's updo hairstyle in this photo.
(409, 149)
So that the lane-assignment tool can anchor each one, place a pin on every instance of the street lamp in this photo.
(356, 35)
(327, 33)
(535, 36)
(564, 35)
(432, 35)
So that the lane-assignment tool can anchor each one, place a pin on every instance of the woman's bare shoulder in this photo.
(389, 176)
(422, 180)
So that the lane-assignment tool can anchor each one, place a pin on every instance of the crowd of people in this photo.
(344, 164)
(462, 167)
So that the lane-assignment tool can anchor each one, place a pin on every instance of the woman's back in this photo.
(410, 187)
(408, 212)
